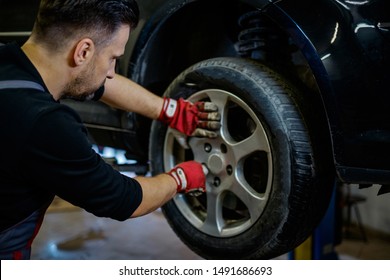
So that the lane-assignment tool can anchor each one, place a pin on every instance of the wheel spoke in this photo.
(214, 222)
(252, 200)
(257, 141)
(218, 99)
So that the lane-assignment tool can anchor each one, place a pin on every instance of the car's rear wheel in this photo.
(269, 182)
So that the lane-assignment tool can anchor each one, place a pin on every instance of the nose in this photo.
(111, 72)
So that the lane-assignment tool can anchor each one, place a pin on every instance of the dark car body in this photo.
(337, 50)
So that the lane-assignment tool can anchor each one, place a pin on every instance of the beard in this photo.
(80, 88)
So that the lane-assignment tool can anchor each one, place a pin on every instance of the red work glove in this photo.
(199, 119)
(190, 177)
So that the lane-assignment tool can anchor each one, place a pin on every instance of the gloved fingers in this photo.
(206, 106)
(201, 190)
(213, 116)
(211, 125)
(195, 192)
(189, 176)
(200, 132)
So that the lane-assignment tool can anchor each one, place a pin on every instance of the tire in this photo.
(271, 174)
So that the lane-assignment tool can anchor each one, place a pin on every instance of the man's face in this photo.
(100, 68)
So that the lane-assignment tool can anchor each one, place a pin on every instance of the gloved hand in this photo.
(200, 119)
(190, 177)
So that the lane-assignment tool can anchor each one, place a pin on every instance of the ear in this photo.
(84, 51)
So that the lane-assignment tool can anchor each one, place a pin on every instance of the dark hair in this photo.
(58, 20)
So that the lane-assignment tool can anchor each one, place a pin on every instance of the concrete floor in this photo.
(69, 232)
(77, 234)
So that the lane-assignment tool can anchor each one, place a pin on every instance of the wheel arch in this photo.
(179, 34)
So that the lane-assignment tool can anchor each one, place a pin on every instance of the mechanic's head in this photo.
(84, 38)
(59, 21)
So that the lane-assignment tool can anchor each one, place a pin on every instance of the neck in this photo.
(51, 67)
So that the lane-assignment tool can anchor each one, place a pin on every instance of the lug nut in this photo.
(207, 147)
(229, 170)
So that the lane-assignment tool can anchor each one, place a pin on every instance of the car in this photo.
(303, 91)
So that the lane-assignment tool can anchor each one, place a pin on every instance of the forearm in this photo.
(122, 93)
(156, 192)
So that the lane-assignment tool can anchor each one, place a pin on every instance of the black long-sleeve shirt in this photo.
(45, 151)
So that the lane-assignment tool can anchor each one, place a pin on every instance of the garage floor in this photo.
(71, 233)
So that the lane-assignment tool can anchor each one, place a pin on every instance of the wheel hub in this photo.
(215, 164)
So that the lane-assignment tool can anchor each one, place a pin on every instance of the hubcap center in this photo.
(215, 164)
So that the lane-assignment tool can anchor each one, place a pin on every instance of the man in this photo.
(72, 53)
